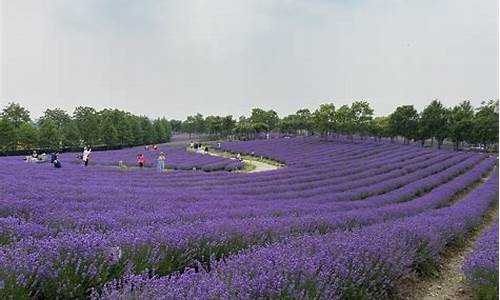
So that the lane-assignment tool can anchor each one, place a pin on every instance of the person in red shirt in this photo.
(141, 160)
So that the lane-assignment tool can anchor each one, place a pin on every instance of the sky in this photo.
(173, 58)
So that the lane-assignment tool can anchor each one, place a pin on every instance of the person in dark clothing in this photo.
(57, 164)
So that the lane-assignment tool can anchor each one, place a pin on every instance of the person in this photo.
(267, 136)
(53, 156)
(57, 164)
(155, 147)
(218, 145)
(161, 162)
(191, 145)
(238, 156)
(146, 147)
(34, 156)
(86, 155)
(206, 149)
(141, 160)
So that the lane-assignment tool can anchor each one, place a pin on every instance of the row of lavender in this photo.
(365, 264)
(112, 224)
(481, 266)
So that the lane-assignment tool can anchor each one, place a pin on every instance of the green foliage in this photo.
(324, 118)
(15, 114)
(404, 121)
(7, 134)
(484, 284)
(485, 127)
(434, 122)
(49, 136)
(269, 118)
(461, 122)
(300, 122)
(27, 135)
(86, 119)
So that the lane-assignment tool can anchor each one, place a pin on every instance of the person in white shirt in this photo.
(86, 154)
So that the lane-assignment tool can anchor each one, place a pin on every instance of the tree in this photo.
(228, 123)
(213, 125)
(485, 128)
(461, 123)
(361, 114)
(7, 134)
(59, 118)
(379, 127)
(188, 125)
(71, 135)
(15, 114)
(136, 130)
(160, 131)
(27, 135)
(49, 136)
(434, 122)
(270, 118)
(87, 122)
(324, 118)
(148, 134)
(304, 121)
(403, 122)
(109, 134)
(345, 120)
(176, 125)
(168, 130)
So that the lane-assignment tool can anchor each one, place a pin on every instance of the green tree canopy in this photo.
(434, 122)
(461, 122)
(403, 122)
(324, 118)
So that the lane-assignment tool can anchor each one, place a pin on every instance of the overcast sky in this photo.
(174, 58)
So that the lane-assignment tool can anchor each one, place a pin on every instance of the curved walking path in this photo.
(260, 166)
(256, 165)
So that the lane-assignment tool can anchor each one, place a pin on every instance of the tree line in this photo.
(58, 130)
(436, 123)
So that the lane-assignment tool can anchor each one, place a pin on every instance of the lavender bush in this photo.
(481, 266)
(66, 233)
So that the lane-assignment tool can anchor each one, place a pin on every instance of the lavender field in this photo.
(341, 220)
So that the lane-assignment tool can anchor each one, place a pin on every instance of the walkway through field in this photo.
(450, 282)
(254, 163)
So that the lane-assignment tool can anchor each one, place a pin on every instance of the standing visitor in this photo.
(155, 147)
(86, 155)
(238, 156)
(141, 160)
(191, 145)
(206, 150)
(161, 162)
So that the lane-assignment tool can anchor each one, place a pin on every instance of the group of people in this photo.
(85, 156)
(198, 147)
(160, 161)
(149, 147)
(42, 158)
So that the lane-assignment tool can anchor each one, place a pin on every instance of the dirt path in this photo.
(260, 166)
(450, 284)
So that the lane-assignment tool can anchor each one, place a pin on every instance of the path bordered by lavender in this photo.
(342, 220)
